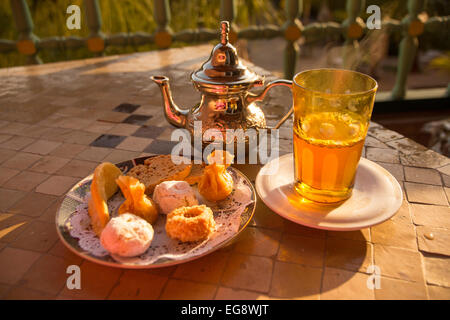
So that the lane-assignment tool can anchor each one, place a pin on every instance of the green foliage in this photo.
(49, 17)
(442, 62)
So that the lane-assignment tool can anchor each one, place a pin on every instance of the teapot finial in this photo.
(224, 30)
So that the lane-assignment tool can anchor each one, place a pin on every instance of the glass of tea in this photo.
(332, 110)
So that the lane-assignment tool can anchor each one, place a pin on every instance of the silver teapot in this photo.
(226, 103)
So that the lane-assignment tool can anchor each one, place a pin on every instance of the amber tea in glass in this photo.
(332, 110)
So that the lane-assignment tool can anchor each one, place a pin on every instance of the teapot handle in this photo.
(260, 96)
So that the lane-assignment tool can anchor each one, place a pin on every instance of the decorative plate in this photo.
(376, 197)
(232, 215)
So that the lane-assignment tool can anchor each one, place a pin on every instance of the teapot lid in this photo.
(223, 66)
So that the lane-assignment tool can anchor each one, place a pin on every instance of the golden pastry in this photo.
(103, 186)
(216, 183)
(136, 201)
(189, 224)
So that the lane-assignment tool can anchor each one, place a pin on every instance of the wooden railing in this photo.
(352, 29)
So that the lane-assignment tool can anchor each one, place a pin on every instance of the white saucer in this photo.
(376, 197)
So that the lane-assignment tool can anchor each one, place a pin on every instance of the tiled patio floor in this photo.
(58, 121)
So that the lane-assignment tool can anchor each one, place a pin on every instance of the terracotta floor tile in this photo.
(124, 129)
(293, 281)
(382, 155)
(206, 269)
(68, 150)
(341, 284)
(163, 272)
(166, 134)
(403, 215)
(22, 293)
(384, 134)
(438, 293)
(49, 214)
(99, 127)
(107, 141)
(6, 174)
(14, 263)
(26, 181)
(423, 193)
(393, 233)
(137, 119)
(395, 169)
(55, 134)
(117, 156)
(94, 154)
(6, 154)
(138, 285)
(34, 131)
(96, 282)
(49, 164)
(238, 294)
(359, 235)
(445, 169)
(407, 146)
(60, 250)
(80, 137)
(13, 128)
(11, 225)
(57, 185)
(4, 290)
(303, 250)
(21, 161)
(38, 236)
(16, 143)
(432, 216)
(114, 116)
(33, 204)
(187, 290)
(134, 144)
(78, 168)
(248, 272)
(406, 265)
(42, 147)
(445, 178)
(74, 123)
(348, 254)
(258, 242)
(299, 230)
(438, 244)
(437, 270)
(372, 142)
(394, 289)
(422, 175)
(48, 274)
(4, 137)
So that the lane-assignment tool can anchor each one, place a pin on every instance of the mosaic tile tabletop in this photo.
(59, 121)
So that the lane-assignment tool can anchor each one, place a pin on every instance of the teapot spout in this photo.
(173, 113)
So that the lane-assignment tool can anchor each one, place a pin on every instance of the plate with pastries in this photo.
(156, 211)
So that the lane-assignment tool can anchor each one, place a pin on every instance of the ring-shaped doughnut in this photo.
(189, 224)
